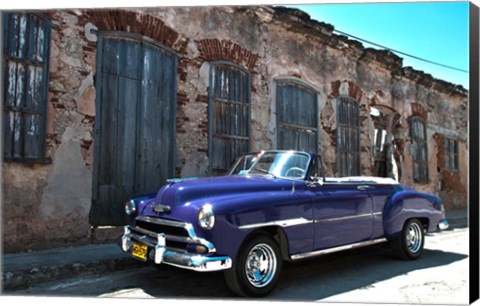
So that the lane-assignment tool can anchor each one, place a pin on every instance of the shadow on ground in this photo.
(307, 280)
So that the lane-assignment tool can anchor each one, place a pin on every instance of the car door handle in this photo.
(363, 187)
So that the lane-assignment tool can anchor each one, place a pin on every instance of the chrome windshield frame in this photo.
(283, 151)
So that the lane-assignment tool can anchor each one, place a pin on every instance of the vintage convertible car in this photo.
(281, 209)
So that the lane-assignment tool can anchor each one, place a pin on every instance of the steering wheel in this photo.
(302, 172)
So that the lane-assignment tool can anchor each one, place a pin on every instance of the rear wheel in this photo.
(409, 244)
(257, 268)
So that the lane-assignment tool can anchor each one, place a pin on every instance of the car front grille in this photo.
(162, 228)
(177, 234)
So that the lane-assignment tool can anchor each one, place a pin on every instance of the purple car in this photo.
(280, 209)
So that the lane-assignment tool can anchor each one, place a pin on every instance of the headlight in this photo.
(130, 207)
(206, 217)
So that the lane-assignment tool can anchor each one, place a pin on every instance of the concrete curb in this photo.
(16, 277)
(457, 218)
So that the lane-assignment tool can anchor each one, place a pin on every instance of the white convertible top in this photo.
(363, 179)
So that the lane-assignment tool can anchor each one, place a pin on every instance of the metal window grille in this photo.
(26, 49)
(420, 153)
(296, 116)
(348, 137)
(229, 115)
(451, 154)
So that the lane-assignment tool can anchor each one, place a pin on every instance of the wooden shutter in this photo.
(229, 115)
(26, 50)
(296, 116)
(348, 137)
(420, 153)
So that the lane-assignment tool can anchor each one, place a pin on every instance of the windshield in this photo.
(243, 164)
(289, 164)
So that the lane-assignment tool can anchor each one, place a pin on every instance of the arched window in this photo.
(229, 115)
(296, 116)
(348, 137)
(420, 153)
(26, 52)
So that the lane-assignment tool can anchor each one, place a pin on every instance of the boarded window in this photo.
(451, 154)
(420, 154)
(229, 115)
(296, 116)
(348, 137)
(26, 48)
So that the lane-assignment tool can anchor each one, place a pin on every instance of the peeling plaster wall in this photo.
(48, 205)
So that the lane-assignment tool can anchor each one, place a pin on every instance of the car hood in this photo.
(215, 187)
(190, 194)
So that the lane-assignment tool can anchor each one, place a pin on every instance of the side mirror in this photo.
(316, 181)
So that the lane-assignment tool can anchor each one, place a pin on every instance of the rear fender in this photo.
(406, 205)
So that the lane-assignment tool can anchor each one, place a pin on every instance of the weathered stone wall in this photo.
(48, 205)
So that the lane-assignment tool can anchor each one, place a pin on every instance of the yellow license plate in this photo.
(139, 251)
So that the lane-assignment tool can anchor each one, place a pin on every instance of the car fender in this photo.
(409, 204)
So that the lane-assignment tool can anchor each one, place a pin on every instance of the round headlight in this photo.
(130, 207)
(206, 217)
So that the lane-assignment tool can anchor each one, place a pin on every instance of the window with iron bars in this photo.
(229, 115)
(348, 137)
(420, 153)
(26, 50)
(451, 154)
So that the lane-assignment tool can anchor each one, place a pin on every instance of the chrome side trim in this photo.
(282, 223)
(344, 218)
(349, 217)
(337, 249)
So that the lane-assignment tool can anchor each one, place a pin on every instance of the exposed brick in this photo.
(142, 24)
(202, 99)
(419, 110)
(335, 88)
(216, 50)
(354, 91)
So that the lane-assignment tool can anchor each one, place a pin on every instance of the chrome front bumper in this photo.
(443, 225)
(159, 254)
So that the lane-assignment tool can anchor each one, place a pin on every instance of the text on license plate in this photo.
(139, 251)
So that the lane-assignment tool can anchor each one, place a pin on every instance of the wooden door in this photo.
(135, 124)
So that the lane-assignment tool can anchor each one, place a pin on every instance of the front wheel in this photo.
(256, 269)
(409, 245)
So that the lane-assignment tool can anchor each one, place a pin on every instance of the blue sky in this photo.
(437, 31)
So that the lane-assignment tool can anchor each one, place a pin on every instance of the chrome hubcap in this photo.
(261, 265)
(414, 237)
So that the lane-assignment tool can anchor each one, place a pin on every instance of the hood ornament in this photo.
(159, 208)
